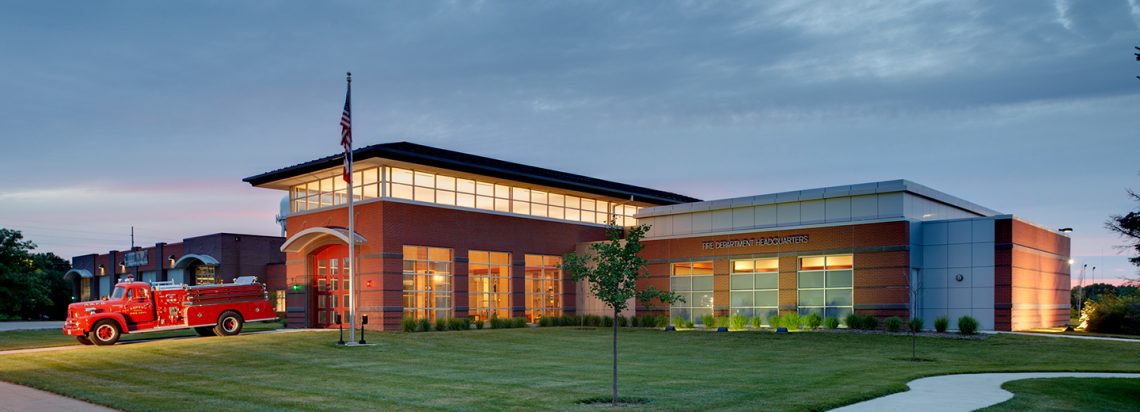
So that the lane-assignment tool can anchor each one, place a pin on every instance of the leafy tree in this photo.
(1128, 227)
(31, 285)
(612, 268)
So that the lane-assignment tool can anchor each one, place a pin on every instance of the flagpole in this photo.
(351, 233)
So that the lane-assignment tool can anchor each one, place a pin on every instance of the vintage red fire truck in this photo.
(139, 307)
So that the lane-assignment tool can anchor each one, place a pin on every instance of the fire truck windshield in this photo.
(118, 293)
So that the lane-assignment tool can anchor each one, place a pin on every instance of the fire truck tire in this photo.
(229, 324)
(84, 340)
(205, 331)
(105, 332)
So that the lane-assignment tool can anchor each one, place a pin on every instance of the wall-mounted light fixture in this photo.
(102, 270)
(368, 284)
(171, 258)
(1065, 230)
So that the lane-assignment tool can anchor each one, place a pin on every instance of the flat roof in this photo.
(888, 186)
(479, 165)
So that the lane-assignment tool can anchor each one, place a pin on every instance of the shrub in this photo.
(915, 325)
(869, 322)
(607, 321)
(440, 324)
(635, 321)
(831, 322)
(621, 321)
(545, 321)
(967, 325)
(424, 326)
(792, 321)
(737, 321)
(774, 321)
(941, 323)
(709, 321)
(678, 322)
(893, 324)
(813, 321)
(722, 321)
(479, 324)
(754, 322)
(689, 324)
(519, 322)
(409, 324)
(1112, 314)
(853, 321)
(458, 324)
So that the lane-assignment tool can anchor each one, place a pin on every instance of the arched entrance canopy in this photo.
(187, 260)
(310, 238)
(73, 273)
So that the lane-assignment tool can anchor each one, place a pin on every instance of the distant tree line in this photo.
(31, 284)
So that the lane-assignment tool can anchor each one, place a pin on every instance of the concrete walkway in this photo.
(10, 326)
(965, 392)
(24, 399)
(1058, 335)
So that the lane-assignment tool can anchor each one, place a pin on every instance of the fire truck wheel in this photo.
(229, 324)
(105, 332)
(205, 331)
(84, 340)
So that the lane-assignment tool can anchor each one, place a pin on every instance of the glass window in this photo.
(543, 286)
(825, 285)
(488, 278)
(694, 282)
(754, 288)
(427, 282)
(430, 187)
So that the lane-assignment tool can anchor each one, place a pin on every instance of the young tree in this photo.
(612, 268)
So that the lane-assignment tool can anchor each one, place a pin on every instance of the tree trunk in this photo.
(615, 396)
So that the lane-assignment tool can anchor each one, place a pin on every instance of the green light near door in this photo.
(297, 288)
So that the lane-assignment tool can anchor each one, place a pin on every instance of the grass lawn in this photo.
(1071, 394)
(534, 368)
(25, 339)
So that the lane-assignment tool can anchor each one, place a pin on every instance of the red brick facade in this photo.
(1031, 276)
(388, 226)
(881, 264)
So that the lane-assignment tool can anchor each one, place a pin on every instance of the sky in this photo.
(149, 114)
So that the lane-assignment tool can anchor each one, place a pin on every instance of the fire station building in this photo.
(209, 259)
(443, 234)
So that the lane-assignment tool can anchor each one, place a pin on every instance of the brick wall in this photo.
(881, 262)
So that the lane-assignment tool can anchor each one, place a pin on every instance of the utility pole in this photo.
(135, 270)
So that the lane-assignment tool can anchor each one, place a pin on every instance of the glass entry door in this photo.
(330, 285)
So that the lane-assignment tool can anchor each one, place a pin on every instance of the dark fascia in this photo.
(484, 166)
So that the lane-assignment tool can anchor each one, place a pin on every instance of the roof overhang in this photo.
(82, 273)
(186, 260)
(477, 165)
(314, 237)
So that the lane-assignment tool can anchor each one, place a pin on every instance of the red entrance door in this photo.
(330, 281)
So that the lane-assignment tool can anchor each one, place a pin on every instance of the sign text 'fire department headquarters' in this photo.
(758, 241)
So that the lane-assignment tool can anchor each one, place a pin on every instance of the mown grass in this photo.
(45, 338)
(534, 369)
(1071, 394)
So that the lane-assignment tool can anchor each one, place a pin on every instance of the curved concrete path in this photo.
(965, 392)
(24, 399)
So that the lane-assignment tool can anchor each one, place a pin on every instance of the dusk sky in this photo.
(150, 113)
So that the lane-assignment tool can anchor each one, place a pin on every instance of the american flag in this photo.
(346, 132)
